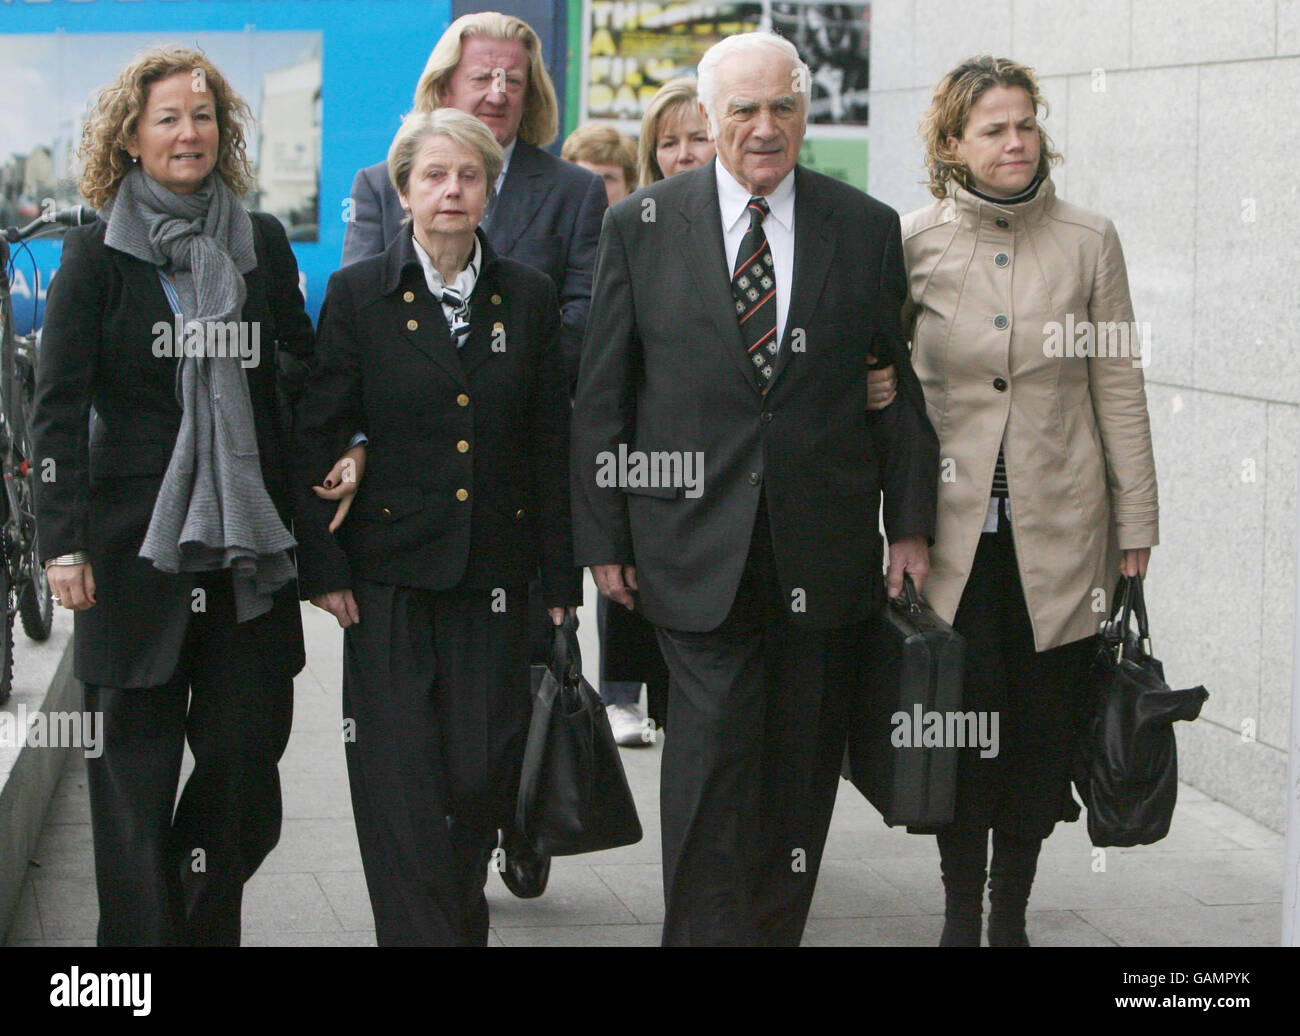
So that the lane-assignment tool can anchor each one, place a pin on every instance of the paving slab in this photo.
(1216, 880)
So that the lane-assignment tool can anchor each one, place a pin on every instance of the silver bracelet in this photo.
(77, 557)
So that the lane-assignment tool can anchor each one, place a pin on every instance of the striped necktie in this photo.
(753, 286)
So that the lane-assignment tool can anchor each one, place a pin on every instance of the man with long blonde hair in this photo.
(547, 212)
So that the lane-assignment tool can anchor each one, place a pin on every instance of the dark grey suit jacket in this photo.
(664, 370)
(547, 215)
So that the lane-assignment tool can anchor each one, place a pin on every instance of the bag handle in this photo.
(565, 653)
(909, 600)
(1129, 602)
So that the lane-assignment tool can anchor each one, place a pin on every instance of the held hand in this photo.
(73, 586)
(882, 386)
(341, 604)
(1134, 562)
(557, 614)
(617, 583)
(911, 556)
(341, 483)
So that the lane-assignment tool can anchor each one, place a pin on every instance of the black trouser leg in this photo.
(228, 818)
(437, 686)
(750, 770)
(178, 878)
(1011, 877)
(132, 786)
(963, 859)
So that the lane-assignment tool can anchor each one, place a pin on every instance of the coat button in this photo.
(462, 446)
(755, 478)
(1002, 258)
(462, 495)
(462, 400)
(1000, 384)
(412, 325)
(498, 326)
(519, 514)
(386, 513)
(1000, 321)
(408, 296)
(1002, 223)
(767, 416)
(496, 300)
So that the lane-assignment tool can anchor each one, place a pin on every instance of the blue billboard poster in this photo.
(327, 83)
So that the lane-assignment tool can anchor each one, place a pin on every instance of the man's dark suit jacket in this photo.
(547, 215)
(97, 348)
(664, 369)
(490, 419)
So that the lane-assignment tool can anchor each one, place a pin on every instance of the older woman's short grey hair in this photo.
(801, 75)
(465, 130)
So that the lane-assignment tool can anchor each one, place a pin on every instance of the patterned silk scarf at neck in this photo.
(212, 511)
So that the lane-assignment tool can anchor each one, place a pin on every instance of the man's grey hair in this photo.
(801, 78)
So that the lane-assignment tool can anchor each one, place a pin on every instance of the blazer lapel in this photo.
(418, 315)
(522, 194)
(814, 254)
(141, 279)
(485, 311)
(702, 234)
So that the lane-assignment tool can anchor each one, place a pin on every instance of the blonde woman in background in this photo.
(674, 135)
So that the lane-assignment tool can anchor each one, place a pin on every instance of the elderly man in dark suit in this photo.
(547, 211)
(726, 470)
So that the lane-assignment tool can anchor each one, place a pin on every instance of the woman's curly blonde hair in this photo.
(114, 117)
(950, 105)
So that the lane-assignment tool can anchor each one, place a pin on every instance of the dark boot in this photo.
(963, 857)
(1011, 877)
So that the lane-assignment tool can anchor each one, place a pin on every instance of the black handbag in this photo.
(573, 793)
(1127, 769)
(912, 678)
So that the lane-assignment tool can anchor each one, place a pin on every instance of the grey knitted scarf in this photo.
(213, 511)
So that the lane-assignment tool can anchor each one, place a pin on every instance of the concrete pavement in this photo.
(1216, 880)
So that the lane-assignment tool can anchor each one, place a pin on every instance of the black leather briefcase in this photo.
(911, 680)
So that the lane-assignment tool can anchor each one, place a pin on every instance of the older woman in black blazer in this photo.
(449, 357)
(166, 528)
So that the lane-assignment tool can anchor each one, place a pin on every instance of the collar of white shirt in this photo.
(733, 200)
(510, 153)
(465, 280)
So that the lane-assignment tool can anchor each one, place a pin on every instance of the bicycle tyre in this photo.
(36, 605)
(6, 636)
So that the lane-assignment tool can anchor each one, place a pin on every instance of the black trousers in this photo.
(1040, 698)
(173, 874)
(751, 767)
(436, 685)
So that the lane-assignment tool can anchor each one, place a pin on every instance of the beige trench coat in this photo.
(1001, 302)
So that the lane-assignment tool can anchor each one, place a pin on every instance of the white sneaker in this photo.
(629, 726)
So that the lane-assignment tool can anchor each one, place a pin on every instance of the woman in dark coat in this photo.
(166, 527)
(449, 357)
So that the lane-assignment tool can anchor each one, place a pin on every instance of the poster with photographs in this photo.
(835, 41)
(633, 49)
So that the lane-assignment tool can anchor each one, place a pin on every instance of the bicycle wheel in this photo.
(35, 605)
(6, 634)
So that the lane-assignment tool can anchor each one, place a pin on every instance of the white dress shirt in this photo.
(464, 282)
(505, 166)
(733, 200)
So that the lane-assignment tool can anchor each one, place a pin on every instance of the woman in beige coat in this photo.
(1023, 337)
